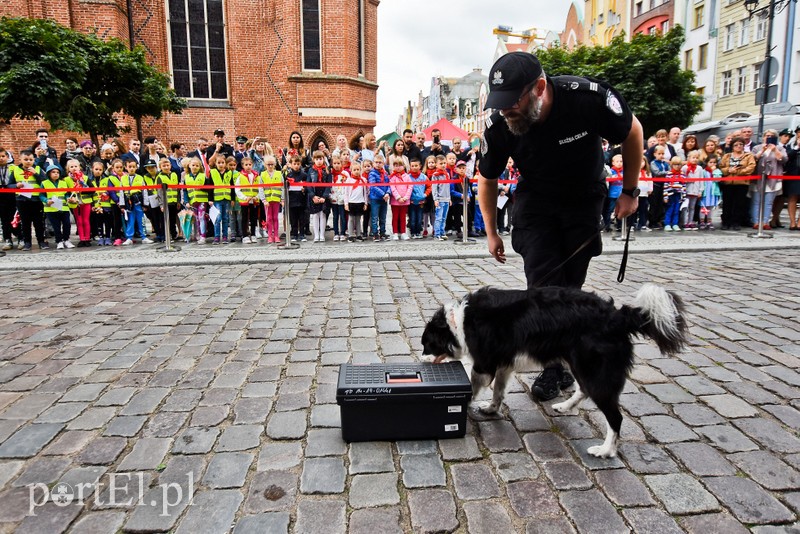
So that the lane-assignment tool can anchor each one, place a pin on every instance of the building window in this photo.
(761, 27)
(197, 49)
(361, 37)
(687, 60)
(699, 12)
(638, 9)
(702, 57)
(700, 91)
(726, 83)
(730, 36)
(664, 27)
(741, 80)
(652, 30)
(744, 36)
(312, 53)
(757, 75)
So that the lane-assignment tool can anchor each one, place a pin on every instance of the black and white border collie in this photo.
(507, 330)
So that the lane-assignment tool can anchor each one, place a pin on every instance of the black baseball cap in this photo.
(509, 76)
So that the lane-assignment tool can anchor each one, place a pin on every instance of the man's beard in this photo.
(520, 123)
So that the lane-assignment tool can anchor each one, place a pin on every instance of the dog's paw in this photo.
(488, 408)
(600, 451)
(477, 414)
(427, 358)
(562, 407)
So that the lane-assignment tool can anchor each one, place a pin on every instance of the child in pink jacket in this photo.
(400, 199)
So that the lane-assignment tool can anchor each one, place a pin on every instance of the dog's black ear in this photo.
(439, 319)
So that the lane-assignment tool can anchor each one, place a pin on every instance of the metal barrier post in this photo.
(465, 239)
(287, 225)
(167, 246)
(624, 233)
(761, 187)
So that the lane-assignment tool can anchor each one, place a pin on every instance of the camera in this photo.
(43, 144)
(436, 139)
(772, 140)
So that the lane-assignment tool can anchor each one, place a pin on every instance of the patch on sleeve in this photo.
(612, 103)
(484, 145)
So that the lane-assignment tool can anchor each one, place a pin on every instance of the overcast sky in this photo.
(420, 39)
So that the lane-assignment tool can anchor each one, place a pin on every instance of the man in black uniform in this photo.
(553, 128)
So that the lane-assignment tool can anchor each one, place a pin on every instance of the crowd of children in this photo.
(380, 193)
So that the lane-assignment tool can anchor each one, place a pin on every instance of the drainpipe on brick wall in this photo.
(131, 44)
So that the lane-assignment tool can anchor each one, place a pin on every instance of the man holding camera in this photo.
(437, 148)
(553, 128)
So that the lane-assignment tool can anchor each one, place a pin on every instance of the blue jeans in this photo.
(441, 218)
(673, 214)
(377, 213)
(339, 220)
(415, 219)
(135, 220)
(222, 222)
(755, 200)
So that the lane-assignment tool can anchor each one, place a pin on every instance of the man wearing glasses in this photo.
(553, 129)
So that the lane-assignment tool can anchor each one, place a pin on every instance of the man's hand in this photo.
(496, 247)
(626, 205)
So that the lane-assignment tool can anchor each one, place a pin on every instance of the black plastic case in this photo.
(388, 402)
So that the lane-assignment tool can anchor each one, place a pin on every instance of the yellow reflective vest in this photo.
(196, 195)
(61, 183)
(273, 186)
(172, 179)
(221, 193)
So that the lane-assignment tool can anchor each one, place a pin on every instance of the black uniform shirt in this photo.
(561, 158)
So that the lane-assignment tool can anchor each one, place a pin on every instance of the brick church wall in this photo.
(266, 83)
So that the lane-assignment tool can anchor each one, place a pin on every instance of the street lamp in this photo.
(775, 6)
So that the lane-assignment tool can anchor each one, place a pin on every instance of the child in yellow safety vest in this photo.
(195, 178)
(248, 196)
(220, 197)
(273, 197)
(28, 176)
(166, 176)
(107, 206)
(152, 205)
(234, 211)
(55, 205)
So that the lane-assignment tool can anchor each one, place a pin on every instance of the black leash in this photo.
(560, 265)
(622, 266)
(624, 263)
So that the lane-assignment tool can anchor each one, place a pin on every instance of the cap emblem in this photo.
(498, 78)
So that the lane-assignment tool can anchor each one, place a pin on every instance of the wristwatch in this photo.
(631, 192)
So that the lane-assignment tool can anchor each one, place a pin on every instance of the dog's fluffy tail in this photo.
(658, 314)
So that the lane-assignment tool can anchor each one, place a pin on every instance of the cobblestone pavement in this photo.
(237, 253)
(122, 397)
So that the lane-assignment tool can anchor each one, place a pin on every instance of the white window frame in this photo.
(664, 27)
(730, 37)
(687, 59)
(761, 28)
(741, 80)
(702, 58)
(756, 76)
(744, 34)
(727, 81)
(208, 53)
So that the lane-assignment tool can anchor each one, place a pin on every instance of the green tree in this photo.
(75, 81)
(646, 71)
